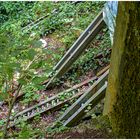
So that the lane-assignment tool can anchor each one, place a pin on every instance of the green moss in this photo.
(101, 123)
(125, 117)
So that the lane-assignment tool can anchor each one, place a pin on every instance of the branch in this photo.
(14, 99)
(10, 109)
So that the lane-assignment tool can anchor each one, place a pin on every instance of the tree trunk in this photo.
(122, 103)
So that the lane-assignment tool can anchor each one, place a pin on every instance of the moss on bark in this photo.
(123, 93)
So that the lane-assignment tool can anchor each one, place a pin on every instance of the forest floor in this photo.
(60, 31)
(45, 120)
(98, 127)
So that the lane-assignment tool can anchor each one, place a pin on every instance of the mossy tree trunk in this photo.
(122, 103)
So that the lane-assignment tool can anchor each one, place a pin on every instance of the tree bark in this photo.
(122, 103)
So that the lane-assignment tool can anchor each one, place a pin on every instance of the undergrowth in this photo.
(23, 53)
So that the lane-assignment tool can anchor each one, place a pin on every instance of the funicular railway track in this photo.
(55, 102)
(75, 50)
(98, 56)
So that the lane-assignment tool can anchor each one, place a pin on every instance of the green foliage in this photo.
(30, 93)
(77, 18)
(100, 45)
(25, 11)
(57, 128)
(89, 107)
(16, 57)
(23, 53)
(86, 61)
(26, 132)
(63, 16)
(1, 123)
(1, 134)
(67, 18)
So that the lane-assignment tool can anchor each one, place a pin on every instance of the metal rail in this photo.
(35, 23)
(78, 41)
(93, 95)
(56, 101)
(52, 103)
(38, 21)
(79, 46)
(94, 100)
(44, 83)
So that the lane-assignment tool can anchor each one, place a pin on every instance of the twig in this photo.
(10, 109)
(14, 99)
